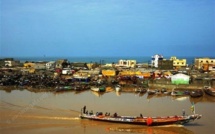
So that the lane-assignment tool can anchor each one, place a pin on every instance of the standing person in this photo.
(84, 109)
(183, 112)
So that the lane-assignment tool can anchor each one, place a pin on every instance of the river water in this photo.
(22, 111)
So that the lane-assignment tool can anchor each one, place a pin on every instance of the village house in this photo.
(10, 62)
(50, 65)
(108, 72)
(207, 64)
(63, 63)
(29, 65)
(40, 65)
(35, 65)
(178, 63)
(165, 64)
(127, 63)
(155, 59)
(79, 65)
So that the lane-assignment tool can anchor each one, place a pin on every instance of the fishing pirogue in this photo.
(139, 120)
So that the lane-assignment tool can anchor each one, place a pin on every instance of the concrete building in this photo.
(50, 65)
(127, 63)
(61, 63)
(155, 59)
(200, 63)
(165, 64)
(10, 62)
(178, 63)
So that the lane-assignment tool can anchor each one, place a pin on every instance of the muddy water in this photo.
(28, 112)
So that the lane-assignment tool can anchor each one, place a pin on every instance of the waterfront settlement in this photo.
(127, 75)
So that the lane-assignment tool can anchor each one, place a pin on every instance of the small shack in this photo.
(180, 79)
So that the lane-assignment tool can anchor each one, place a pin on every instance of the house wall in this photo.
(50, 65)
(40, 66)
(29, 65)
(155, 59)
(127, 63)
(199, 62)
(179, 63)
(165, 64)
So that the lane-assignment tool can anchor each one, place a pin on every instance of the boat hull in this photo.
(148, 121)
(196, 93)
(209, 91)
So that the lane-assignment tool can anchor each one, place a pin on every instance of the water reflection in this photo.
(124, 128)
(98, 94)
(153, 130)
(180, 98)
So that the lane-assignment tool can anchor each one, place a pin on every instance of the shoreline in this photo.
(125, 88)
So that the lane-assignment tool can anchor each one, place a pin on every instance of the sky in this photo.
(73, 28)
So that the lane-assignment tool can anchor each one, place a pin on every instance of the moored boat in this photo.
(63, 88)
(209, 90)
(140, 90)
(98, 89)
(179, 93)
(140, 120)
(151, 92)
(118, 88)
(196, 93)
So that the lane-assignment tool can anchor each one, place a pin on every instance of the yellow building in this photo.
(202, 62)
(108, 72)
(29, 65)
(177, 63)
(130, 73)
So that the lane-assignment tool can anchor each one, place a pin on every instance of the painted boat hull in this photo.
(197, 93)
(148, 121)
(209, 91)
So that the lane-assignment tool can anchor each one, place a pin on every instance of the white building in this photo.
(50, 64)
(155, 59)
(127, 63)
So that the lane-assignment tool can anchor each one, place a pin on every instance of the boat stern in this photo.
(195, 117)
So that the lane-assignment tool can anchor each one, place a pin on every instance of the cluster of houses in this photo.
(124, 69)
(206, 64)
(157, 61)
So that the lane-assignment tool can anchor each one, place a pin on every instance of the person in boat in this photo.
(183, 112)
(107, 114)
(141, 115)
(84, 109)
(115, 115)
(91, 112)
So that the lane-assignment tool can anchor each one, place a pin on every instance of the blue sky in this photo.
(107, 28)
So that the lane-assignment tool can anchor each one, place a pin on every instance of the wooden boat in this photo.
(140, 90)
(63, 88)
(209, 90)
(140, 120)
(118, 88)
(151, 92)
(196, 93)
(98, 89)
(179, 93)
